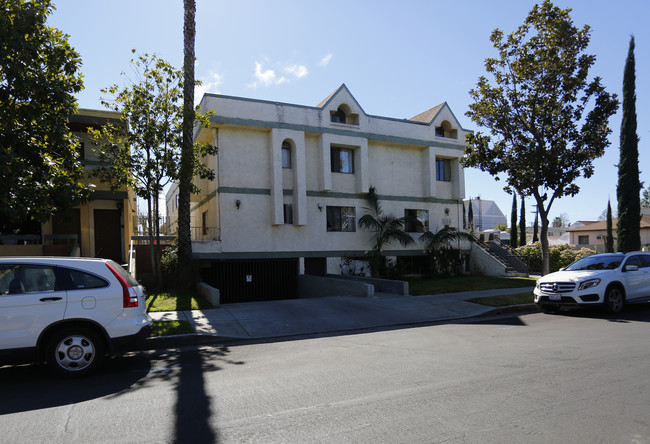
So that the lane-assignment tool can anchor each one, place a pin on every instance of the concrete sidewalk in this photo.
(298, 317)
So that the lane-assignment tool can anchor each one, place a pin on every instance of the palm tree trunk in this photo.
(187, 149)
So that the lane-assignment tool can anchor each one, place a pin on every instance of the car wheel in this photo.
(614, 299)
(75, 352)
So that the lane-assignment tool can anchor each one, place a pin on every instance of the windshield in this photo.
(599, 262)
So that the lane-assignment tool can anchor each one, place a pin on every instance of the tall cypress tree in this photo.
(536, 228)
(513, 222)
(629, 187)
(470, 216)
(609, 238)
(522, 223)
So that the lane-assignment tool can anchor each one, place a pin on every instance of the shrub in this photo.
(559, 255)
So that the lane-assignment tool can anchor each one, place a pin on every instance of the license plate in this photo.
(554, 297)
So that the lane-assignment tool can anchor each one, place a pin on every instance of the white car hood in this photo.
(573, 276)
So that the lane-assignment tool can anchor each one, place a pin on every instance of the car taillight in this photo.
(129, 295)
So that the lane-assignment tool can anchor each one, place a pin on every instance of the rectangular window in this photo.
(342, 160)
(341, 219)
(583, 240)
(204, 222)
(412, 217)
(443, 170)
(286, 156)
(288, 213)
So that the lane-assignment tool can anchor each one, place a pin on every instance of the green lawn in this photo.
(170, 328)
(176, 301)
(418, 286)
(504, 300)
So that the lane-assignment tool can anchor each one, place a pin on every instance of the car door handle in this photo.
(51, 299)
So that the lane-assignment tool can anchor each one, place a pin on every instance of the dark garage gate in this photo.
(252, 280)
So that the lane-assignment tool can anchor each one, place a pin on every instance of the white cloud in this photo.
(210, 84)
(298, 71)
(325, 60)
(264, 78)
(268, 77)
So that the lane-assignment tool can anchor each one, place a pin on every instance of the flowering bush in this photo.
(559, 255)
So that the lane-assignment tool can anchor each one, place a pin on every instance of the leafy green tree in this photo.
(609, 237)
(627, 191)
(513, 222)
(143, 151)
(541, 135)
(522, 222)
(386, 229)
(40, 168)
(187, 148)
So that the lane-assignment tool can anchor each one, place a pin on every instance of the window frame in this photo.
(338, 165)
(443, 169)
(581, 237)
(287, 211)
(416, 213)
(341, 219)
(286, 155)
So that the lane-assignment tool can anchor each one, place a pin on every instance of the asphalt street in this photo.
(579, 377)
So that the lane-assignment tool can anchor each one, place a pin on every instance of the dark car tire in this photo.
(614, 299)
(75, 351)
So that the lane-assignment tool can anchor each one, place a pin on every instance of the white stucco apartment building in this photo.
(291, 179)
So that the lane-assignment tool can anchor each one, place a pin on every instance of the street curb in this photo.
(194, 339)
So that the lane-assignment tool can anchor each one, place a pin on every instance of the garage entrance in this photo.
(252, 280)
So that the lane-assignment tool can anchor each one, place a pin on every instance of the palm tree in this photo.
(187, 149)
(386, 229)
(440, 248)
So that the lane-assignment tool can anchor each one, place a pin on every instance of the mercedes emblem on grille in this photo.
(554, 286)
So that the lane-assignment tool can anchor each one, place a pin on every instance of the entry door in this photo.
(108, 235)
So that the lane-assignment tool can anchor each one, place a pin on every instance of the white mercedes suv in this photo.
(611, 279)
(68, 312)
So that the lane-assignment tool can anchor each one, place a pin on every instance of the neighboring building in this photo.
(291, 181)
(593, 234)
(100, 228)
(487, 214)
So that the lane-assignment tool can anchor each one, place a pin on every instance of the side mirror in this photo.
(631, 268)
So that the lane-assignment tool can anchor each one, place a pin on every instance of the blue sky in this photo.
(397, 58)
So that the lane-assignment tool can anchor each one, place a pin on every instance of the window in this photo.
(412, 217)
(288, 213)
(286, 154)
(20, 279)
(204, 222)
(81, 280)
(443, 170)
(338, 116)
(583, 240)
(341, 219)
(342, 160)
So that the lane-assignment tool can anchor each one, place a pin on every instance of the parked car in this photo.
(611, 279)
(68, 312)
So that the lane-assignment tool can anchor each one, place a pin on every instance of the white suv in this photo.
(68, 312)
(612, 279)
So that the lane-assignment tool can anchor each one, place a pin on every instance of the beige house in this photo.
(101, 227)
(291, 179)
(593, 234)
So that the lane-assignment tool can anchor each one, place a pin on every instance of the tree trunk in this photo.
(543, 237)
(187, 149)
(152, 241)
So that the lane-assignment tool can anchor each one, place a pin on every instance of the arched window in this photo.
(286, 154)
(339, 116)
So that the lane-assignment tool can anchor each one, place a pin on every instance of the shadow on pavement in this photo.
(33, 387)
